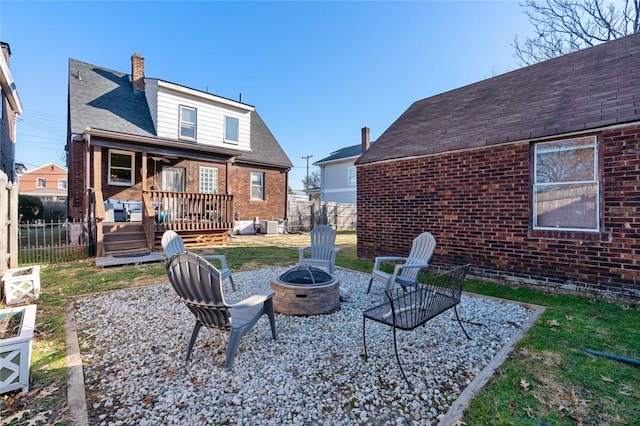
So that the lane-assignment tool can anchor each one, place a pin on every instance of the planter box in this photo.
(21, 284)
(15, 352)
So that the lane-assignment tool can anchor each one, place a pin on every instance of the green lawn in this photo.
(547, 379)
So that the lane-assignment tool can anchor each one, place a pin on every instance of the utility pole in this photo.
(306, 182)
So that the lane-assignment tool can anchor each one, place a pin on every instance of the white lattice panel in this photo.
(21, 284)
(15, 352)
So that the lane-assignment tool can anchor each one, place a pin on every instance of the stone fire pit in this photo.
(306, 290)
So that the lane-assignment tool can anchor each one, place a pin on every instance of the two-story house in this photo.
(338, 181)
(48, 182)
(11, 107)
(172, 156)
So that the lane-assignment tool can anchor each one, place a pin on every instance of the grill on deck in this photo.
(306, 291)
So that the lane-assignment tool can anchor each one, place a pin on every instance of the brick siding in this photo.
(477, 204)
(272, 207)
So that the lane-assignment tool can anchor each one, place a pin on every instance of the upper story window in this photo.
(62, 184)
(41, 183)
(257, 186)
(121, 168)
(188, 122)
(231, 129)
(351, 176)
(208, 180)
(566, 187)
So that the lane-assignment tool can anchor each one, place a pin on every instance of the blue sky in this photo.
(317, 72)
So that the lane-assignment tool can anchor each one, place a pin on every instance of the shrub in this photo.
(55, 211)
(30, 208)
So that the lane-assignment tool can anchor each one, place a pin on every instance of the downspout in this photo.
(86, 137)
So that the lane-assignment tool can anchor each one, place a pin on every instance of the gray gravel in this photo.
(133, 344)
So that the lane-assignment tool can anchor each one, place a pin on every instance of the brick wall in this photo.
(75, 183)
(477, 205)
(272, 207)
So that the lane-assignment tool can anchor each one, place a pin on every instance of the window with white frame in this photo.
(566, 187)
(188, 122)
(231, 129)
(257, 186)
(41, 183)
(121, 168)
(351, 176)
(62, 184)
(208, 180)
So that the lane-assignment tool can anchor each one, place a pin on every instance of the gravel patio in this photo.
(133, 344)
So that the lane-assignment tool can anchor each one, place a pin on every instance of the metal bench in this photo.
(409, 308)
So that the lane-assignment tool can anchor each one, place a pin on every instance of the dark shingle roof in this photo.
(346, 152)
(584, 90)
(101, 98)
(265, 149)
(104, 99)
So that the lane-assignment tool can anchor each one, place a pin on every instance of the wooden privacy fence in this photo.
(8, 224)
(306, 215)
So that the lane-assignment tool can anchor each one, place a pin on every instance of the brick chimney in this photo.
(137, 72)
(365, 139)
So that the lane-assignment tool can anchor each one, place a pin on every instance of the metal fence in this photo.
(55, 242)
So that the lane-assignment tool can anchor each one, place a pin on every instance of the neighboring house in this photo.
(338, 172)
(173, 157)
(48, 182)
(532, 176)
(11, 107)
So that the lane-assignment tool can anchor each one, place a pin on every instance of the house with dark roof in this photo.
(532, 176)
(146, 155)
(11, 107)
(338, 172)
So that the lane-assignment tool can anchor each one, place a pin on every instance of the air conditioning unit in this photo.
(269, 227)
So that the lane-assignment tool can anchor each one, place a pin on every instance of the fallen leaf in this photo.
(529, 411)
(553, 323)
(524, 384)
(607, 379)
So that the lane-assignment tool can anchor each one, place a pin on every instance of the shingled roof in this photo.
(100, 98)
(589, 89)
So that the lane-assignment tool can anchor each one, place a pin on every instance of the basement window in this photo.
(121, 168)
(566, 187)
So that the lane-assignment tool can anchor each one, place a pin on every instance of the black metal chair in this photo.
(198, 284)
(409, 308)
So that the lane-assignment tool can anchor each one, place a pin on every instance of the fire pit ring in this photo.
(306, 290)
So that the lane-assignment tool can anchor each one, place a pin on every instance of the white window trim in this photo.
(596, 181)
(262, 178)
(188, 124)
(44, 183)
(237, 120)
(62, 184)
(351, 171)
(215, 179)
(133, 174)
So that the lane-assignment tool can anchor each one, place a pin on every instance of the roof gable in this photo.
(585, 90)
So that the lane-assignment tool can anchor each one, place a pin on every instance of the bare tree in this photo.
(312, 181)
(565, 26)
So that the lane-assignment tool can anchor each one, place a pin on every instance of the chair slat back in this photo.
(422, 249)
(323, 239)
(434, 295)
(198, 285)
(172, 243)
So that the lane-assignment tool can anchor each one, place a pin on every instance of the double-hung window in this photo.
(121, 168)
(257, 186)
(351, 176)
(41, 183)
(188, 122)
(566, 187)
(62, 184)
(231, 129)
(208, 180)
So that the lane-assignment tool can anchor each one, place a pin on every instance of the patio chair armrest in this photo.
(219, 257)
(254, 300)
(381, 259)
(301, 251)
(397, 271)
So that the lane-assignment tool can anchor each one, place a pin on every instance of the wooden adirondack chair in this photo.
(406, 269)
(322, 251)
(198, 284)
(172, 244)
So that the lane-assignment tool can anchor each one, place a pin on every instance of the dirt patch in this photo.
(286, 240)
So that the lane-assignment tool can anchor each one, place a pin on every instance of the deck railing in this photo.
(187, 211)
